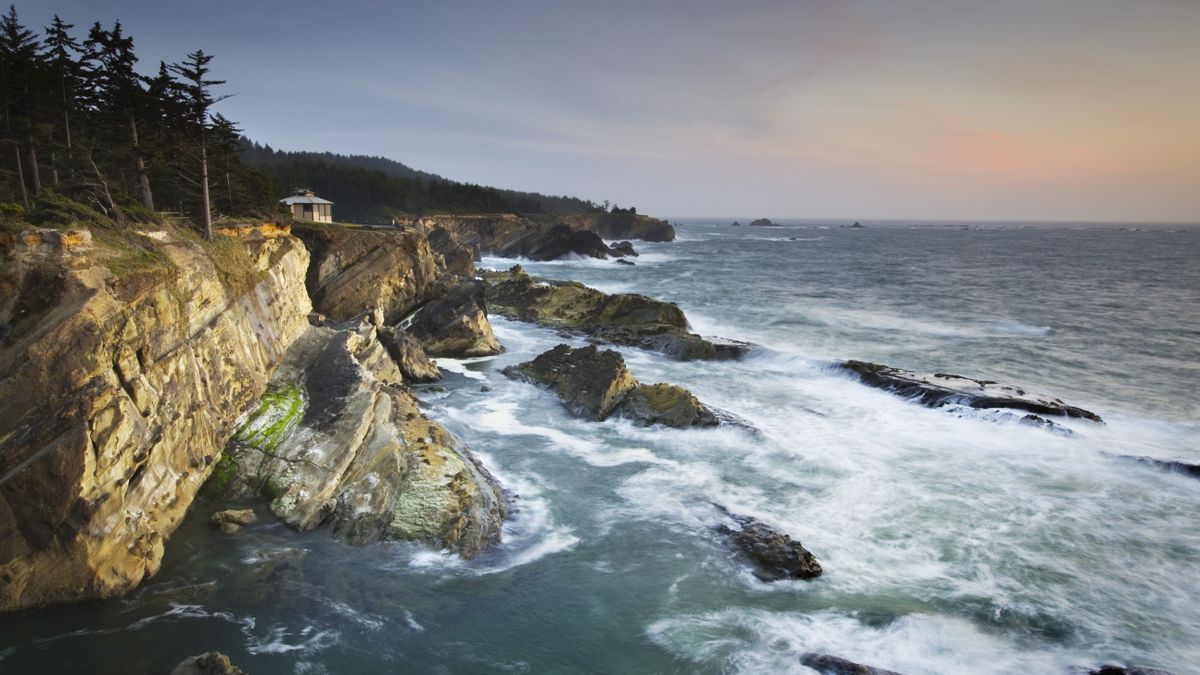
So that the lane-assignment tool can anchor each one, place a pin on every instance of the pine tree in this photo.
(64, 73)
(19, 75)
(120, 99)
(197, 101)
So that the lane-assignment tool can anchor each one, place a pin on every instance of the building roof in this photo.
(304, 199)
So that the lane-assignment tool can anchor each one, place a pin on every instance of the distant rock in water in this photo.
(939, 390)
(857, 225)
(623, 249)
(622, 261)
(736, 224)
(595, 384)
(834, 665)
(622, 318)
(764, 222)
(1127, 670)
(1192, 470)
(775, 555)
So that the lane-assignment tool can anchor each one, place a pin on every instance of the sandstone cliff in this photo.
(127, 364)
(119, 393)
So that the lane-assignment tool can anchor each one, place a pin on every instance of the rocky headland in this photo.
(138, 365)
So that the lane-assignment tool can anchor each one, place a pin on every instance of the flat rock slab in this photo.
(939, 389)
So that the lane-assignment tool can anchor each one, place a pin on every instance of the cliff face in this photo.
(119, 391)
(127, 364)
(354, 270)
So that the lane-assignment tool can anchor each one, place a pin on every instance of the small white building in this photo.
(306, 205)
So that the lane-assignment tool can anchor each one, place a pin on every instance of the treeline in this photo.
(374, 189)
(78, 118)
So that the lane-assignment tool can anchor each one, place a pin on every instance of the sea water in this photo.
(951, 544)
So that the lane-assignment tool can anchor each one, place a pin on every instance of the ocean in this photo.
(951, 544)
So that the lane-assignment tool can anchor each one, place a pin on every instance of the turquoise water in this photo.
(951, 545)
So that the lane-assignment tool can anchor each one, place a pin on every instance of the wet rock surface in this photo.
(1169, 465)
(1126, 670)
(595, 384)
(623, 318)
(232, 520)
(775, 555)
(939, 389)
(337, 442)
(455, 323)
(834, 665)
(624, 248)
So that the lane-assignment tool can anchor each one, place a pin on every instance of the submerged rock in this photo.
(1173, 466)
(338, 443)
(834, 665)
(938, 390)
(622, 261)
(1127, 670)
(622, 318)
(211, 663)
(775, 555)
(455, 324)
(595, 384)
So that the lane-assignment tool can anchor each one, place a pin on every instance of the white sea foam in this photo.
(280, 640)
(759, 641)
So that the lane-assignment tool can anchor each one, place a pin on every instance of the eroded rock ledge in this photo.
(940, 390)
(623, 318)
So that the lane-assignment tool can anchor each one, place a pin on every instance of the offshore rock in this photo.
(624, 248)
(763, 222)
(938, 390)
(834, 665)
(775, 555)
(595, 384)
(622, 318)
(408, 354)
(1127, 670)
(455, 323)
(1173, 466)
(337, 442)
(353, 269)
(622, 261)
(668, 405)
(591, 383)
(211, 663)
(123, 371)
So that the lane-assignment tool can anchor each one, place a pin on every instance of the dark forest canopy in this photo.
(81, 118)
(373, 189)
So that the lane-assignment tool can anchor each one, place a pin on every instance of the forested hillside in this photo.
(81, 118)
(373, 189)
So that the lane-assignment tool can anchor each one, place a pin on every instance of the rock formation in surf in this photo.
(834, 665)
(774, 555)
(595, 384)
(622, 318)
(941, 390)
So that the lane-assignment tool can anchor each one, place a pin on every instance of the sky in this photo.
(1083, 110)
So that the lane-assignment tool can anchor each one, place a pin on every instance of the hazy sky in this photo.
(1014, 109)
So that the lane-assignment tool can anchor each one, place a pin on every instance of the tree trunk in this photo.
(33, 168)
(21, 176)
(142, 178)
(54, 167)
(208, 233)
